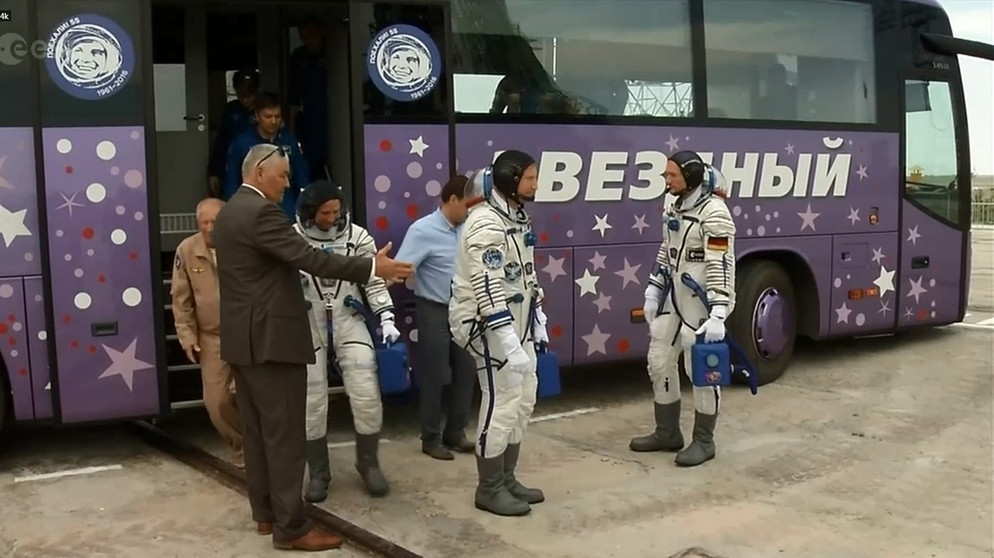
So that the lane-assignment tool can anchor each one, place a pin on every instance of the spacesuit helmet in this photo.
(506, 173)
(697, 173)
(315, 195)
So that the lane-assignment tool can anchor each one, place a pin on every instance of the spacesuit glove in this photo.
(390, 332)
(541, 333)
(713, 328)
(518, 362)
(653, 298)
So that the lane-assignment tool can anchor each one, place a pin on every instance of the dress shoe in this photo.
(436, 450)
(264, 527)
(313, 540)
(459, 443)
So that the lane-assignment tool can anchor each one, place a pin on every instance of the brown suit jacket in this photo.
(263, 311)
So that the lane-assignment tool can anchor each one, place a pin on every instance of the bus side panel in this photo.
(554, 267)
(13, 338)
(931, 270)
(100, 263)
(37, 328)
(406, 166)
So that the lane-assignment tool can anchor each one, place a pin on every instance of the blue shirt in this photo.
(308, 89)
(235, 121)
(298, 166)
(430, 246)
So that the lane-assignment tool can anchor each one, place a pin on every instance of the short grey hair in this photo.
(206, 202)
(257, 153)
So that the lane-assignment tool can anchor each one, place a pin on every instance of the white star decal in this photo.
(629, 274)
(885, 281)
(12, 225)
(842, 314)
(69, 202)
(597, 261)
(640, 223)
(909, 313)
(673, 144)
(808, 218)
(861, 172)
(554, 268)
(916, 288)
(602, 224)
(587, 283)
(418, 146)
(913, 235)
(602, 303)
(884, 307)
(3, 181)
(853, 216)
(878, 255)
(124, 364)
(596, 341)
(790, 149)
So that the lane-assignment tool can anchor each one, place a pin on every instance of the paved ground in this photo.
(141, 505)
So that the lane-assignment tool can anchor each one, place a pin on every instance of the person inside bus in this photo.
(237, 118)
(197, 314)
(448, 373)
(268, 129)
(309, 96)
(780, 101)
(513, 96)
(326, 225)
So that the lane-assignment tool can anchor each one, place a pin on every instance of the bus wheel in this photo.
(764, 320)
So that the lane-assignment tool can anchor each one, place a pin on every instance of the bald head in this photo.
(207, 211)
(267, 167)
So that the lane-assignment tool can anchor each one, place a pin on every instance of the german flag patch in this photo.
(719, 243)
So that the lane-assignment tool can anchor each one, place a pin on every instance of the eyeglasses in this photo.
(280, 149)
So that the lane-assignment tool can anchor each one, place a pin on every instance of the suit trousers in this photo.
(446, 374)
(272, 398)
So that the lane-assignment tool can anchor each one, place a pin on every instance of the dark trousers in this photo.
(271, 401)
(446, 374)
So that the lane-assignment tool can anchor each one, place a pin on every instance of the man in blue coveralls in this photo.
(268, 129)
(309, 96)
(235, 121)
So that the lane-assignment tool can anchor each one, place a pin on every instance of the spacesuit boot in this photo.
(492, 494)
(368, 464)
(667, 436)
(518, 490)
(319, 472)
(702, 447)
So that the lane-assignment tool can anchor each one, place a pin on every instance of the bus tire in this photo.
(764, 320)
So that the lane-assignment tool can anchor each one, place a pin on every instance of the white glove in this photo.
(714, 328)
(541, 332)
(390, 332)
(518, 363)
(653, 298)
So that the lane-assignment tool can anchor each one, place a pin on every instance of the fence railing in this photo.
(982, 213)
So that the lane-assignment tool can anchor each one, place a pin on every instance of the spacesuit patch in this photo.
(492, 258)
(695, 255)
(512, 272)
(719, 243)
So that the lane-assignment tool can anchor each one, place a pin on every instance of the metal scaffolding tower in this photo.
(659, 99)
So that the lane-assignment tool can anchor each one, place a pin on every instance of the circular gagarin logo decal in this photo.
(404, 63)
(89, 57)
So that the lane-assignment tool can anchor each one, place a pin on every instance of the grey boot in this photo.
(316, 453)
(491, 493)
(701, 448)
(667, 436)
(368, 464)
(518, 490)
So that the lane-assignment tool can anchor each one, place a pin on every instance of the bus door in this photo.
(934, 267)
(403, 117)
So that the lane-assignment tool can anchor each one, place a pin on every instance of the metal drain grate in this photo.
(173, 223)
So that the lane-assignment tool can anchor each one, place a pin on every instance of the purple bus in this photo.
(848, 159)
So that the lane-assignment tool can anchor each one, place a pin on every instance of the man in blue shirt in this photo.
(236, 119)
(268, 129)
(445, 370)
(309, 96)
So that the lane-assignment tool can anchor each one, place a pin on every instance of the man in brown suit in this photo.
(197, 315)
(266, 337)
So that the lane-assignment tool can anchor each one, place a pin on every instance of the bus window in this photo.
(774, 60)
(613, 57)
(930, 158)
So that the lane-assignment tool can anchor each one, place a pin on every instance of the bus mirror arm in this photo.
(945, 44)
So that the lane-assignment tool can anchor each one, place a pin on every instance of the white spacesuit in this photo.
(328, 227)
(495, 312)
(699, 241)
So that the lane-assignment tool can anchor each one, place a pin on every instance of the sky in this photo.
(974, 19)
